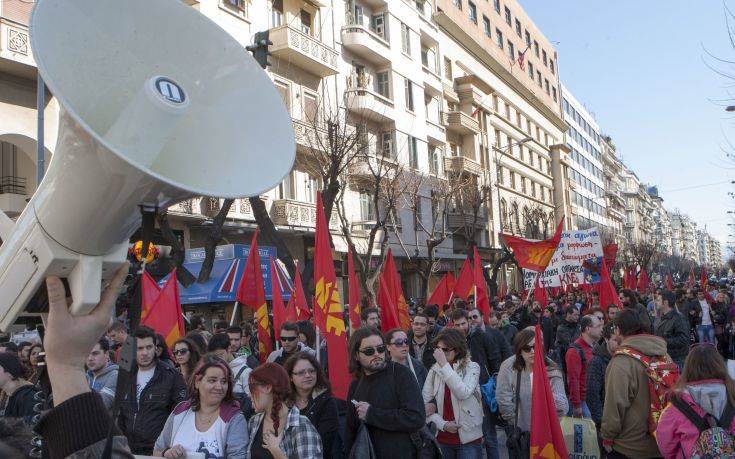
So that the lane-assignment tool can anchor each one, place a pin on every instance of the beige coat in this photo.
(463, 379)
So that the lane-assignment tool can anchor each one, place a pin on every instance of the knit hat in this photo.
(273, 375)
(11, 364)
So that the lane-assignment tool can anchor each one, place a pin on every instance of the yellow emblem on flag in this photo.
(328, 300)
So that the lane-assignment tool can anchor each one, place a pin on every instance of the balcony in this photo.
(460, 122)
(292, 45)
(15, 49)
(464, 219)
(12, 195)
(288, 212)
(362, 100)
(460, 165)
(366, 43)
(436, 133)
(306, 135)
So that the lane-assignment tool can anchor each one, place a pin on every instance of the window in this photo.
(519, 120)
(408, 87)
(551, 66)
(386, 144)
(413, 153)
(405, 39)
(367, 207)
(553, 93)
(499, 172)
(507, 111)
(472, 9)
(486, 25)
(285, 92)
(511, 51)
(458, 4)
(420, 6)
(546, 84)
(496, 3)
(499, 37)
(497, 137)
(523, 185)
(530, 70)
(310, 107)
(518, 27)
(382, 84)
(447, 68)
(241, 5)
(512, 180)
(495, 102)
(543, 58)
(428, 59)
(377, 25)
(507, 15)
(528, 39)
(286, 188)
(306, 22)
(435, 155)
(277, 13)
(312, 188)
(535, 47)
(538, 76)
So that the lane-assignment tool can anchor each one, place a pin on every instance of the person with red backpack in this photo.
(577, 359)
(638, 378)
(700, 418)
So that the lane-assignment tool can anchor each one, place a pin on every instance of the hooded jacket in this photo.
(241, 373)
(676, 434)
(104, 383)
(278, 357)
(484, 353)
(627, 401)
(595, 396)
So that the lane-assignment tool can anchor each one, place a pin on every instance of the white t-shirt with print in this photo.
(706, 319)
(144, 376)
(194, 441)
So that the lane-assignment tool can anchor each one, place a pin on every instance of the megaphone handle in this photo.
(84, 283)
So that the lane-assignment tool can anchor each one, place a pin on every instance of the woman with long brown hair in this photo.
(210, 422)
(186, 356)
(704, 394)
(277, 430)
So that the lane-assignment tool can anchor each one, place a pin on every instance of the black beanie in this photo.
(11, 364)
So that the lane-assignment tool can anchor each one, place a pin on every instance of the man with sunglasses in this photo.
(421, 339)
(290, 345)
(385, 397)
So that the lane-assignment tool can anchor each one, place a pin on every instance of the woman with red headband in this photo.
(210, 422)
(277, 430)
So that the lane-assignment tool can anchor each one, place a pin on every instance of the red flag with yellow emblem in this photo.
(328, 310)
(534, 255)
(251, 292)
(164, 313)
(353, 294)
(149, 292)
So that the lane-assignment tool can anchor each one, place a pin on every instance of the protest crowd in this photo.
(581, 370)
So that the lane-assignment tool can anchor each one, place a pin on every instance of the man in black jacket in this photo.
(420, 340)
(384, 396)
(568, 330)
(154, 391)
(533, 315)
(20, 392)
(672, 327)
(498, 340)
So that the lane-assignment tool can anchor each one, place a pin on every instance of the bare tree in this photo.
(471, 199)
(643, 253)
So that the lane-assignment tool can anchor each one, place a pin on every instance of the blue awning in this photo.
(229, 264)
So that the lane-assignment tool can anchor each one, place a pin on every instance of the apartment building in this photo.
(661, 237)
(703, 255)
(586, 177)
(684, 237)
(615, 202)
(715, 252)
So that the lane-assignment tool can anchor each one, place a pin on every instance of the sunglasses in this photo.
(368, 351)
(400, 342)
(288, 339)
(181, 352)
(445, 350)
(528, 348)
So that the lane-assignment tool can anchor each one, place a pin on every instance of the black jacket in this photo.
(428, 356)
(528, 319)
(142, 422)
(396, 411)
(674, 329)
(566, 333)
(499, 342)
(483, 353)
(596, 369)
(692, 312)
(20, 404)
(509, 332)
(323, 414)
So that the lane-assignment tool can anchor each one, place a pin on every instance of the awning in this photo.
(229, 264)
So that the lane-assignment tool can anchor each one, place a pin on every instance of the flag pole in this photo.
(234, 313)
(317, 346)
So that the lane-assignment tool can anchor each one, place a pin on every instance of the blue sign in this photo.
(229, 264)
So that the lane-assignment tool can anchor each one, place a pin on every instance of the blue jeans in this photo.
(473, 451)
(706, 333)
(489, 433)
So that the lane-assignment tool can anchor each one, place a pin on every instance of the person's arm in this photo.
(679, 338)
(179, 390)
(668, 432)
(492, 353)
(351, 419)
(108, 391)
(409, 416)
(574, 373)
(236, 443)
(619, 383)
(504, 393)
(164, 439)
(461, 388)
(560, 395)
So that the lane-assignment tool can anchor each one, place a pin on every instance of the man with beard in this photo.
(384, 396)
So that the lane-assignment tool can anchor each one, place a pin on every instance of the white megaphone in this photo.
(158, 104)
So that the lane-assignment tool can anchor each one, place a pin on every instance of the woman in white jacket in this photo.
(452, 390)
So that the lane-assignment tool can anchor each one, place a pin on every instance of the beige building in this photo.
(615, 200)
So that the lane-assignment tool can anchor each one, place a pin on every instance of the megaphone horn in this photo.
(151, 114)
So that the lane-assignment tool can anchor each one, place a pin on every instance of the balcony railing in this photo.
(460, 164)
(460, 122)
(304, 50)
(12, 185)
(288, 212)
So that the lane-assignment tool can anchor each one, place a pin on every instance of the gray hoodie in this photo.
(711, 397)
(104, 383)
(241, 377)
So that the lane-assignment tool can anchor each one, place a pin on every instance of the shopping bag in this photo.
(731, 368)
(580, 436)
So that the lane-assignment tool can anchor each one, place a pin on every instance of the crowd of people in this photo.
(444, 387)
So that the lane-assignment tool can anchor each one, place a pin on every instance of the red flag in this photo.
(297, 305)
(388, 310)
(690, 281)
(165, 313)
(669, 283)
(279, 309)
(643, 282)
(353, 294)
(703, 278)
(610, 252)
(534, 255)
(465, 281)
(482, 300)
(329, 306)
(607, 292)
(251, 293)
(149, 292)
(547, 440)
(443, 291)
(502, 291)
(522, 58)
(393, 289)
(539, 292)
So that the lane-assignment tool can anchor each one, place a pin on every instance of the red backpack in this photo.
(662, 374)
